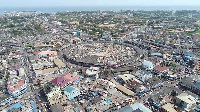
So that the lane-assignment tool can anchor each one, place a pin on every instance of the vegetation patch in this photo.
(196, 32)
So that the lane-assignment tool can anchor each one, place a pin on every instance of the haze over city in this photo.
(26, 3)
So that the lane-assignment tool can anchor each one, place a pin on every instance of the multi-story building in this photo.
(17, 87)
(185, 101)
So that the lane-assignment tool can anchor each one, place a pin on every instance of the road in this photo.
(32, 91)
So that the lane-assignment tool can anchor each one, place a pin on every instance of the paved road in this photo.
(30, 78)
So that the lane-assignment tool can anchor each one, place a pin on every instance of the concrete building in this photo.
(46, 53)
(4, 99)
(188, 56)
(136, 107)
(92, 72)
(144, 75)
(17, 87)
(185, 101)
(46, 71)
(191, 84)
(59, 63)
(55, 96)
(168, 108)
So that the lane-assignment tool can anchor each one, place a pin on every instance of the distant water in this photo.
(103, 8)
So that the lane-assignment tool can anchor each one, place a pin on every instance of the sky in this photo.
(28, 3)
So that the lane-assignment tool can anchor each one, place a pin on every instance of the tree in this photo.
(27, 46)
(7, 76)
(173, 65)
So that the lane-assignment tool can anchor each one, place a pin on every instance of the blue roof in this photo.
(75, 73)
(95, 93)
(69, 89)
(108, 100)
(157, 104)
(147, 63)
(156, 54)
(31, 98)
(189, 54)
(17, 105)
(197, 84)
(197, 109)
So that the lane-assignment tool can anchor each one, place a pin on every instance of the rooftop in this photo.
(46, 70)
(189, 54)
(59, 63)
(61, 81)
(186, 98)
(126, 77)
(122, 88)
(46, 52)
(197, 85)
(56, 108)
(69, 89)
(160, 68)
(15, 87)
(17, 105)
(156, 54)
(147, 63)
(136, 107)
(169, 107)
(3, 96)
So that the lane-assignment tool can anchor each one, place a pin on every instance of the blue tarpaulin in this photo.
(33, 106)
(197, 84)
(108, 100)
(146, 90)
(197, 109)
(17, 105)
(31, 98)
(75, 73)
(157, 104)
(95, 93)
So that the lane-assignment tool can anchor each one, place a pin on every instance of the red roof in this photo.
(16, 53)
(52, 55)
(14, 87)
(15, 68)
(61, 81)
(160, 68)
(36, 53)
(72, 77)
(196, 37)
(123, 33)
(198, 62)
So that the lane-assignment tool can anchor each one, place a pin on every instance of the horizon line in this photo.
(105, 6)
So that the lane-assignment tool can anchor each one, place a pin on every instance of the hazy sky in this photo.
(27, 3)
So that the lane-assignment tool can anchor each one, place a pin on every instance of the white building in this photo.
(93, 72)
(16, 87)
(185, 100)
(147, 65)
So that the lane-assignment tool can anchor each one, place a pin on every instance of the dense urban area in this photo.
(100, 61)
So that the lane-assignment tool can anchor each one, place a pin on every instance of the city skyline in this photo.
(30, 3)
